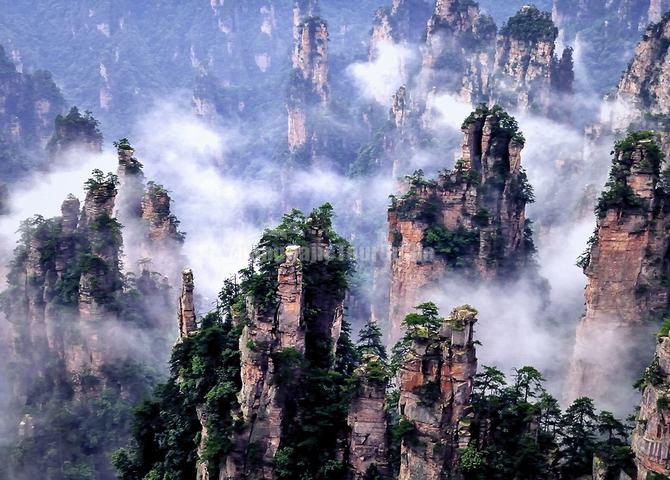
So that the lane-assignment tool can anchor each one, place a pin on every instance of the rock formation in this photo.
(308, 90)
(651, 437)
(28, 104)
(525, 63)
(469, 222)
(435, 380)
(627, 269)
(458, 52)
(263, 342)
(152, 233)
(615, 24)
(186, 312)
(367, 420)
(403, 23)
(643, 83)
(75, 130)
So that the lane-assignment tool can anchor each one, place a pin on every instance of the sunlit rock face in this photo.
(626, 266)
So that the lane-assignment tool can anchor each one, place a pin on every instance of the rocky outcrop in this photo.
(470, 222)
(643, 84)
(402, 23)
(617, 25)
(627, 267)
(651, 437)
(28, 104)
(261, 398)
(435, 381)
(186, 313)
(101, 276)
(152, 233)
(75, 130)
(458, 51)
(368, 438)
(308, 90)
(525, 63)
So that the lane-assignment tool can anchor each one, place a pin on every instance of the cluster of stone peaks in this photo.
(69, 284)
(435, 383)
(468, 223)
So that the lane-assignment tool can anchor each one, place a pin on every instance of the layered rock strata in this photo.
(435, 381)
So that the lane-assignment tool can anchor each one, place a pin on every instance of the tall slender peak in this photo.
(100, 279)
(128, 164)
(524, 61)
(303, 9)
(186, 313)
(163, 225)
(651, 438)
(70, 212)
(367, 421)
(308, 86)
(458, 49)
(399, 107)
(626, 265)
(435, 381)
(310, 55)
(290, 332)
(267, 337)
(470, 221)
(101, 193)
(563, 77)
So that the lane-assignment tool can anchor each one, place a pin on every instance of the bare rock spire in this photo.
(186, 314)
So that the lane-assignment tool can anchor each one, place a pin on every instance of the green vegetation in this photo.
(530, 25)
(205, 368)
(205, 371)
(503, 122)
(559, 445)
(73, 128)
(74, 435)
(455, 246)
(584, 260)
(653, 376)
(371, 155)
(336, 263)
(618, 194)
(100, 181)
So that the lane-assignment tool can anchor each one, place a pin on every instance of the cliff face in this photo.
(616, 24)
(79, 321)
(152, 235)
(308, 90)
(403, 23)
(525, 63)
(435, 380)
(651, 437)
(458, 51)
(643, 82)
(469, 222)
(368, 439)
(271, 346)
(261, 399)
(28, 104)
(626, 266)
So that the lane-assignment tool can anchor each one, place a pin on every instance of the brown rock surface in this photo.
(626, 266)
(435, 383)
(482, 201)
